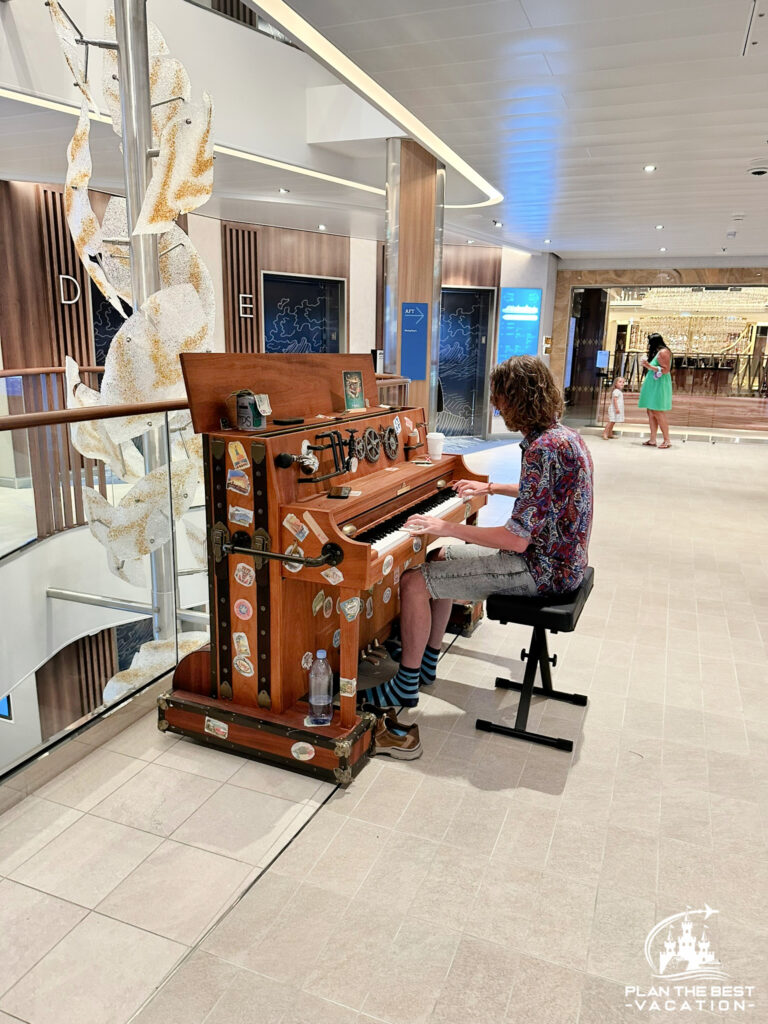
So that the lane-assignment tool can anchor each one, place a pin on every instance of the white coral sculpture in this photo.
(142, 364)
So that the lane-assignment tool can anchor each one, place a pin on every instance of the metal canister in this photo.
(248, 415)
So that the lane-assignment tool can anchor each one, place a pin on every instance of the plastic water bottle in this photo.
(320, 691)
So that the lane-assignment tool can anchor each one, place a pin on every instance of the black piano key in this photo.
(397, 522)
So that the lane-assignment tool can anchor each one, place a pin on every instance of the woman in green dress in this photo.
(656, 391)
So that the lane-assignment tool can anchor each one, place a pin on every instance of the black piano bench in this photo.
(556, 614)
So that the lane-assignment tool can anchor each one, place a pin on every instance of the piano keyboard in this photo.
(390, 534)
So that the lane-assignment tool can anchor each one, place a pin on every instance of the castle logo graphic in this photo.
(686, 953)
(687, 973)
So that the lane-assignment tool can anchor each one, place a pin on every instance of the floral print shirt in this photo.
(554, 508)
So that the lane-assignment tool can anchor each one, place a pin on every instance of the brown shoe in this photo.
(393, 739)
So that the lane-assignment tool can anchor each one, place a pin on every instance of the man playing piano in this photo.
(541, 549)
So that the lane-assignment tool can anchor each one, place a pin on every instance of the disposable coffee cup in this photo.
(435, 442)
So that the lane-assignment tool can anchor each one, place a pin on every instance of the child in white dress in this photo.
(615, 408)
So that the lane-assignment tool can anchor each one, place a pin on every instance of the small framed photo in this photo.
(354, 397)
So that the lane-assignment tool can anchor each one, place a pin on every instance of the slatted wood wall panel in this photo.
(241, 277)
(249, 250)
(70, 685)
(25, 315)
(72, 333)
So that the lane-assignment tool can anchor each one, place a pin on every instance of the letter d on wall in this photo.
(65, 301)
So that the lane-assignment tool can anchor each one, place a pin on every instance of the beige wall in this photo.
(205, 233)
(363, 258)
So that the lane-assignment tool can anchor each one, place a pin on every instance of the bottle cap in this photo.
(321, 654)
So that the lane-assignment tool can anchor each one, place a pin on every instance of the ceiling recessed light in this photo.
(659, 227)
(283, 191)
(321, 227)
(649, 168)
(662, 249)
(498, 224)
(470, 241)
(547, 241)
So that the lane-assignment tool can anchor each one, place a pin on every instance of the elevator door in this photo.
(465, 325)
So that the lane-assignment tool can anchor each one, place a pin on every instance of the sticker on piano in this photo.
(238, 482)
(302, 751)
(338, 606)
(406, 563)
(294, 549)
(243, 665)
(214, 728)
(245, 574)
(397, 425)
(241, 516)
(295, 526)
(386, 595)
(347, 687)
(355, 494)
(369, 608)
(351, 608)
(238, 456)
(243, 609)
(417, 544)
(392, 469)
(333, 575)
(396, 577)
(314, 526)
(328, 607)
(306, 660)
(388, 563)
(318, 601)
(408, 424)
(240, 640)
(337, 638)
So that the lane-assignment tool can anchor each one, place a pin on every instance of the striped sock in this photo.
(428, 670)
(401, 690)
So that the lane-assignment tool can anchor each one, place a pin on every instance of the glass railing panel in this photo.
(89, 619)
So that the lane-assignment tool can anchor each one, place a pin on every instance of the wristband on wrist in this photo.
(490, 487)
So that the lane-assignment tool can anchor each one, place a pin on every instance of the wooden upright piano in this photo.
(291, 568)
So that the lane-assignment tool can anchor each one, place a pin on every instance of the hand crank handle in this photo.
(332, 554)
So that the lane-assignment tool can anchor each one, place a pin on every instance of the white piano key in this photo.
(397, 537)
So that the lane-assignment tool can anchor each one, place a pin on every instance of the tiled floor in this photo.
(490, 882)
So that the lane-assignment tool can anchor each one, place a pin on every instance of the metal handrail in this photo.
(32, 371)
(25, 421)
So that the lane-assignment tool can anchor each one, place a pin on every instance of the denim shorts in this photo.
(471, 573)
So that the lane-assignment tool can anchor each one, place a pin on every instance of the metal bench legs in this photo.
(537, 658)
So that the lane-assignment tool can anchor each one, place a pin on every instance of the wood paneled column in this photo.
(413, 268)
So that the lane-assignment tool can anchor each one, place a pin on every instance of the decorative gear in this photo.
(372, 445)
(390, 442)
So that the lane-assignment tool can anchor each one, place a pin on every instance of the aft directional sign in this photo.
(414, 330)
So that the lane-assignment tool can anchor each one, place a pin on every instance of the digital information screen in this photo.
(519, 317)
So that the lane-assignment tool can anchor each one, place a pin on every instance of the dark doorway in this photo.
(586, 337)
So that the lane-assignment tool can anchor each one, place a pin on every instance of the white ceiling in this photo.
(560, 104)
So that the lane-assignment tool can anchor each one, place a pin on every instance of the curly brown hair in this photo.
(525, 393)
